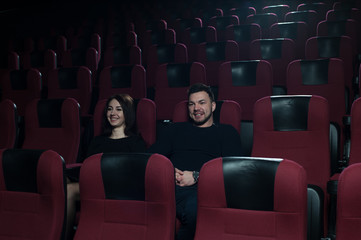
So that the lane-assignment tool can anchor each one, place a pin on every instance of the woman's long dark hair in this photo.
(126, 102)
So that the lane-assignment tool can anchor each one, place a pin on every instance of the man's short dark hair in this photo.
(199, 87)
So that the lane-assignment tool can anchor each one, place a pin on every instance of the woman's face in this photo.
(115, 114)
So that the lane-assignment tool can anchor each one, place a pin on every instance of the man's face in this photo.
(201, 109)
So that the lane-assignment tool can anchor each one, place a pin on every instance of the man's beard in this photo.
(200, 123)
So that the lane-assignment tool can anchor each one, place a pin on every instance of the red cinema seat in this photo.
(251, 198)
(127, 196)
(32, 194)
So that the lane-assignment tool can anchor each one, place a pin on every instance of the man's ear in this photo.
(214, 105)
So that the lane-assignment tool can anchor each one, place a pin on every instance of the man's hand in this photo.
(184, 178)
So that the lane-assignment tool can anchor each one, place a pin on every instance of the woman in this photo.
(118, 128)
(118, 136)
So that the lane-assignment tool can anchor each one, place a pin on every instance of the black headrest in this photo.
(121, 76)
(121, 55)
(49, 113)
(20, 169)
(244, 73)
(290, 113)
(288, 30)
(271, 48)
(124, 175)
(336, 28)
(178, 75)
(158, 37)
(216, 51)
(37, 59)
(314, 72)
(249, 182)
(67, 78)
(242, 33)
(329, 46)
(165, 53)
(18, 79)
(78, 57)
(197, 35)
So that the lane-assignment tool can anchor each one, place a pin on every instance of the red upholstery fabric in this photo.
(64, 140)
(8, 124)
(251, 90)
(151, 218)
(287, 220)
(355, 153)
(230, 113)
(145, 119)
(308, 147)
(333, 90)
(61, 85)
(279, 52)
(21, 86)
(166, 95)
(35, 215)
(348, 203)
(212, 55)
(135, 75)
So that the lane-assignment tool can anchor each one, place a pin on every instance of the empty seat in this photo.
(127, 196)
(264, 20)
(348, 27)
(251, 198)
(72, 82)
(21, 86)
(297, 128)
(122, 55)
(220, 23)
(348, 208)
(280, 10)
(130, 79)
(243, 35)
(212, 55)
(297, 31)
(277, 51)
(334, 47)
(343, 14)
(310, 17)
(320, 7)
(32, 194)
(194, 36)
(8, 124)
(53, 124)
(355, 152)
(172, 83)
(323, 77)
(160, 54)
(245, 82)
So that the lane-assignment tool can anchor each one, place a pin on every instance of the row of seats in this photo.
(286, 127)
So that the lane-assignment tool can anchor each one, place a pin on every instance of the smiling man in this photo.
(189, 145)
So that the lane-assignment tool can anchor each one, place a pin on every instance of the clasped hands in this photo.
(184, 178)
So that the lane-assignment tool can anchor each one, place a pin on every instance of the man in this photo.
(189, 145)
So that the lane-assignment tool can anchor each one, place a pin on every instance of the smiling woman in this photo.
(118, 128)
